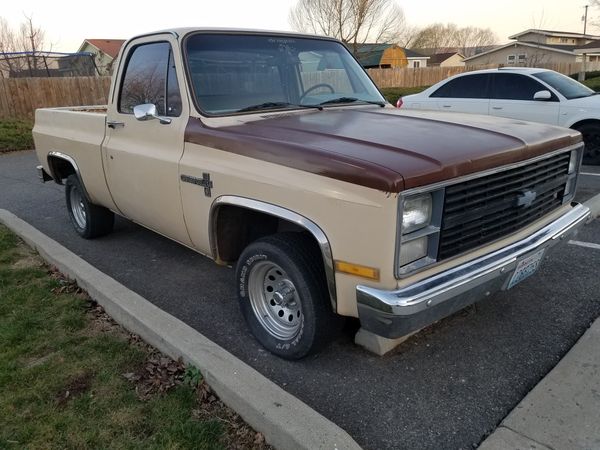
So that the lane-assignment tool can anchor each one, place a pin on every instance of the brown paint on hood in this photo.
(384, 148)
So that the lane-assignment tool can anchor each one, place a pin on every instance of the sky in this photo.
(68, 23)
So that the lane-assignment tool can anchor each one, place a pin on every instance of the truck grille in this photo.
(485, 209)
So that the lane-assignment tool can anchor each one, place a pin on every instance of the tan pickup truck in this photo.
(276, 153)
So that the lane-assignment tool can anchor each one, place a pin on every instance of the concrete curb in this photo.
(286, 422)
(594, 205)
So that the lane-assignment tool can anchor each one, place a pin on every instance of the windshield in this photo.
(241, 73)
(568, 87)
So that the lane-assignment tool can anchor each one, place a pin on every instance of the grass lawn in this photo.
(15, 135)
(72, 378)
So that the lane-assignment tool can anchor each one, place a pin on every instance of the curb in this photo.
(285, 421)
(594, 205)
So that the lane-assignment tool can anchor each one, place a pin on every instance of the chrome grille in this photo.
(485, 209)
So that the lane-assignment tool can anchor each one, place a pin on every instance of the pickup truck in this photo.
(276, 153)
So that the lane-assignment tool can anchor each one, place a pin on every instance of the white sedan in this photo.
(537, 95)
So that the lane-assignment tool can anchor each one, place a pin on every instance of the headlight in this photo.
(416, 213)
(418, 231)
(413, 250)
(573, 161)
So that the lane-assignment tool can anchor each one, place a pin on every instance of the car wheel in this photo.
(283, 295)
(591, 139)
(89, 220)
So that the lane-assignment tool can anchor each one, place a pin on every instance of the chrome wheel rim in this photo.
(275, 300)
(77, 207)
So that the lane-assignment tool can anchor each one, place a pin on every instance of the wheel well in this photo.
(235, 227)
(60, 168)
(585, 122)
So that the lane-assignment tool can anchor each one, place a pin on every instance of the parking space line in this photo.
(590, 174)
(585, 244)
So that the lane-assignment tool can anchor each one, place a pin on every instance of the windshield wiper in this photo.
(271, 105)
(351, 100)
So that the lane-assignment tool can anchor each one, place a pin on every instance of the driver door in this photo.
(141, 158)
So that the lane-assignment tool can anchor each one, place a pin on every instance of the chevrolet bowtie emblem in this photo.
(526, 198)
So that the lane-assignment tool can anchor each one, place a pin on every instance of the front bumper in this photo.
(392, 314)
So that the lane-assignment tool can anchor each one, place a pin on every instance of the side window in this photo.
(510, 86)
(150, 78)
(468, 86)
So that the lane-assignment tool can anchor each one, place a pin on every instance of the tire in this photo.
(283, 295)
(591, 139)
(89, 220)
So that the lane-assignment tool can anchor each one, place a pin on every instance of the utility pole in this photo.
(581, 76)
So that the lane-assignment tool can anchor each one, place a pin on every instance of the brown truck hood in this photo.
(384, 148)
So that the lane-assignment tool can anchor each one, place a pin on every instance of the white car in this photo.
(537, 95)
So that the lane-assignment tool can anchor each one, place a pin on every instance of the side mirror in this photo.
(148, 111)
(542, 95)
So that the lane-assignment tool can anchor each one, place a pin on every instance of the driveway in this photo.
(447, 387)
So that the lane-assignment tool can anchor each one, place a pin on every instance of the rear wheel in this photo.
(283, 295)
(89, 220)
(591, 139)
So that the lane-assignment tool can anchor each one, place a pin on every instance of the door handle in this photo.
(496, 107)
(115, 124)
(446, 106)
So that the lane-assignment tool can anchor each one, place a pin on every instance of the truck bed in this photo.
(77, 132)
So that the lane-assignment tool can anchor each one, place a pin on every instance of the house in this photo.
(534, 47)
(388, 56)
(104, 51)
(447, 59)
(591, 50)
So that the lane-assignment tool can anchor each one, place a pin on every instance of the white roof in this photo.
(524, 44)
(554, 34)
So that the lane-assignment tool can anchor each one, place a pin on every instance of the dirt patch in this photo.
(75, 387)
(26, 258)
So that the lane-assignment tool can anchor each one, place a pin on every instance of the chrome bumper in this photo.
(397, 313)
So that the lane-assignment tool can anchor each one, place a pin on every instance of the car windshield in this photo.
(568, 87)
(241, 73)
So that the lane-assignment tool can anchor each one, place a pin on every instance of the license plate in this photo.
(525, 268)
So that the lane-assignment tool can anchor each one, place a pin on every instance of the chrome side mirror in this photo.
(542, 95)
(148, 111)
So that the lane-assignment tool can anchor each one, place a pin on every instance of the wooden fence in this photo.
(19, 97)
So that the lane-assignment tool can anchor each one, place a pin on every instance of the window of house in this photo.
(522, 58)
(416, 64)
(150, 77)
(467, 86)
(564, 40)
(510, 59)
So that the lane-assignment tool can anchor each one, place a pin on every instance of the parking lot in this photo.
(447, 387)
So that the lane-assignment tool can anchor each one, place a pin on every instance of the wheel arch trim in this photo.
(282, 213)
(70, 160)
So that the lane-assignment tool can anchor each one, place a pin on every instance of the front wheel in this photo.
(591, 139)
(89, 220)
(283, 295)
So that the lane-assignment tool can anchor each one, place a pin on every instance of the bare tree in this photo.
(28, 38)
(352, 21)
(440, 37)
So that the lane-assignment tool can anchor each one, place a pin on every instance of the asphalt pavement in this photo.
(447, 387)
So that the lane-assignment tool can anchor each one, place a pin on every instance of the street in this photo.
(447, 387)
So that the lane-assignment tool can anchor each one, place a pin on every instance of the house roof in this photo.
(369, 55)
(439, 58)
(413, 54)
(591, 47)
(553, 48)
(110, 47)
(554, 33)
